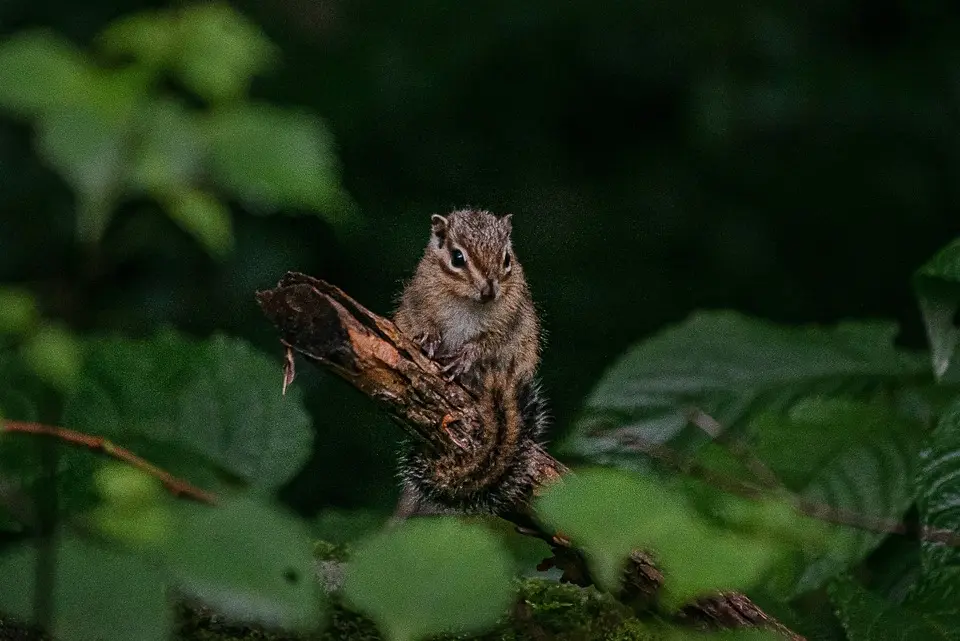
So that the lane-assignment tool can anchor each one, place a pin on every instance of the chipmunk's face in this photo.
(473, 250)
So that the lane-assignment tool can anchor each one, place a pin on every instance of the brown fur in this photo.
(441, 306)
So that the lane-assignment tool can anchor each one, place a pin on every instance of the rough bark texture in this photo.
(327, 327)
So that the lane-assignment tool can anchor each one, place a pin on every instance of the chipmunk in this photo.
(469, 307)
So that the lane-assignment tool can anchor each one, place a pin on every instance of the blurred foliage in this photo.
(795, 163)
(462, 584)
(115, 132)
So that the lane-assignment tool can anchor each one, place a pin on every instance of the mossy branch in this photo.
(328, 328)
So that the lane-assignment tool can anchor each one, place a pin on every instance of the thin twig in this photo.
(175, 485)
(718, 432)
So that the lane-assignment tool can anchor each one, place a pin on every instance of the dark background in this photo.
(792, 162)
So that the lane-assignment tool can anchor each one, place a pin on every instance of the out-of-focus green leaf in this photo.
(168, 156)
(55, 355)
(939, 505)
(98, 595)
(250, 561)
(857, 459)
(730, 367)
(22, 392)
(212, 48)
(938, 287)
(18, 310)
(121, 484)
(24, 466)
(185, 405)
(204, 217)
(134, 508)
(610, 513)
(149, 37)
(430, 576)
(219, 51)
(86, 148)
(272, 159)
(868, 617)
(39, 72)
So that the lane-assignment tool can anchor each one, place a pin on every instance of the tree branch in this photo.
(173, 484)
(330, 329)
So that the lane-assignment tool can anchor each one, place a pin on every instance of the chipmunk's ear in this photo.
(507, 222)
(438, 225)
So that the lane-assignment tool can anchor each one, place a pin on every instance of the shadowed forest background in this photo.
(792, 162)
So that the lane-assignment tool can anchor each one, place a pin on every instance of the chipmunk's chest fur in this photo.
(462, 323)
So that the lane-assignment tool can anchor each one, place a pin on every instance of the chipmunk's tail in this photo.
(498, 476)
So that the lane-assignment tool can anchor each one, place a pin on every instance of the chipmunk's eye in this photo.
(506, 260)
(457, 259)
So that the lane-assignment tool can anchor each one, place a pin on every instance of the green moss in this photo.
(546, 609)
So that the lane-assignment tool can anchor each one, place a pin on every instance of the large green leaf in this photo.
(430, 576)
(98, 595)
(939, 505)
(250, 561)
(180, 403)
(938, 287)
(821, 410)
(731, 367)
(868, 617)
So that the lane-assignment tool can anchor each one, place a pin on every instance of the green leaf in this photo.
(249, 561)
(22, 392)
(868, 617)
(610, 514)
(149, 37)
(169, 156)
(98, 595)
(731, 367)
(134, 509)
(857, 459)
(24, 464)
(219, 51)
(184, 404)
(18, 310)
(273, 159)
(213, 49)
(86, 148)
(938, 484)
(204, 217)
(40, 71)
(430, 576)
(55, 355)
(937, 285)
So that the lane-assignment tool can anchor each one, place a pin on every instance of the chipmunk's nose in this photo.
(490, 290)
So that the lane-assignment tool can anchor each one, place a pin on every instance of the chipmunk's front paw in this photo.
(429, 343)
(462, 362)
